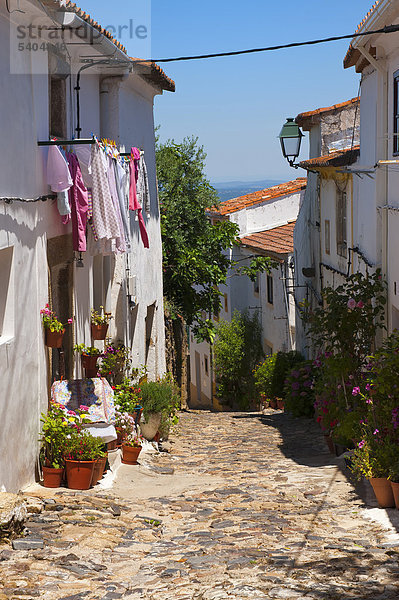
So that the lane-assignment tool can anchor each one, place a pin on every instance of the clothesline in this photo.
(94, 187)
(79, 141)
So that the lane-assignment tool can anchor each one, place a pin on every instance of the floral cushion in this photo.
(96, 393)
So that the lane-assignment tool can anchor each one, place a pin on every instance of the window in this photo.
(58, 121)
(257, 284)
(269, 282)
(396, 113)
(341, 223)
(327, 236)
(6, 293)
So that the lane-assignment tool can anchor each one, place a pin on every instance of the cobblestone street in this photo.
(244, 506)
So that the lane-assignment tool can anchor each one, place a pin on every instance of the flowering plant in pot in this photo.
(89, 356)
(99, 323)
(131, 448)
(52, 439)
(124, 425)
(81, 452)
(115, 363)
(54, 328)
(128, 399)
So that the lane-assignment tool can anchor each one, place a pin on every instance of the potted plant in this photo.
(53, 328)
(160, 400)
(371, 459)
(99, 323)
(53, 438)
(128, 399)
(394, 479)
(131, 448)
(115, 363)
(124, 425)
(81, 452)
(89, 357)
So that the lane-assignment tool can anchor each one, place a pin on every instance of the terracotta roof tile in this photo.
(277, 241)
(340, 158)
(149, 70)
(284, 189)
(311, 114)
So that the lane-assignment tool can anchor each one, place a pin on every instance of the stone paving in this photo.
(249, 506)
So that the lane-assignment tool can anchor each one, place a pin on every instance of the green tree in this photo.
(195, 261)
(238, 349)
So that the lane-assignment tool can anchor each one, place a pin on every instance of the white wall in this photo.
(268, 215)
(24, 232)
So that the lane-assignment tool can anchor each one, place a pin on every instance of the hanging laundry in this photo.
(79, 202)
(60, 181)
(122, 188)
(133, 200)
(104, 221)
(120, 243)
(143, 189)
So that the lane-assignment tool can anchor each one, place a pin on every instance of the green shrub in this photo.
(271, 374)
(238, 348)
(161, 396)
(298, 390)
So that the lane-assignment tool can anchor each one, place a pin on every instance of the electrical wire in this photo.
(386, 29)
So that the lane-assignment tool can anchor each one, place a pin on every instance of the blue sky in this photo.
(236, 106)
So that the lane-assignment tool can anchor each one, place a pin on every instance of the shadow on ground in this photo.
(304, 443)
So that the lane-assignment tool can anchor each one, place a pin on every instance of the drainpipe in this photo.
(382, 177)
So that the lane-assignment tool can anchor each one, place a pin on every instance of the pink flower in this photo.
(376, 431)
(351, 303)
(361, 444)
(360, 304)
(355, 391)
(70, 321)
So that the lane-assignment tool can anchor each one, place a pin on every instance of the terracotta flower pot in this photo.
(79, 473)
(395, 491)
(383, 492)
(280, 403)
(99, 332)
(54, 338)
(130, 454)
(272, 402)
(89, 363)
(52, 477)
(98, 470)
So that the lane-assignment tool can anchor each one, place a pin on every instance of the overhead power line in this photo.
(386, 29)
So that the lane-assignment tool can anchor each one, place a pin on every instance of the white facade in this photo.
(241, 294)
(324, 235)
(376, 202)
(36, 257)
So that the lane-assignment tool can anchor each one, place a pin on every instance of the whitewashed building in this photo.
(266, 221)
(376, 198)
(37, 263)
(325, 245)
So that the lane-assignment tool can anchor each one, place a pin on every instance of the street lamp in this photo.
(290, 139)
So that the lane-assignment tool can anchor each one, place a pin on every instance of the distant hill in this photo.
(234, 189)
